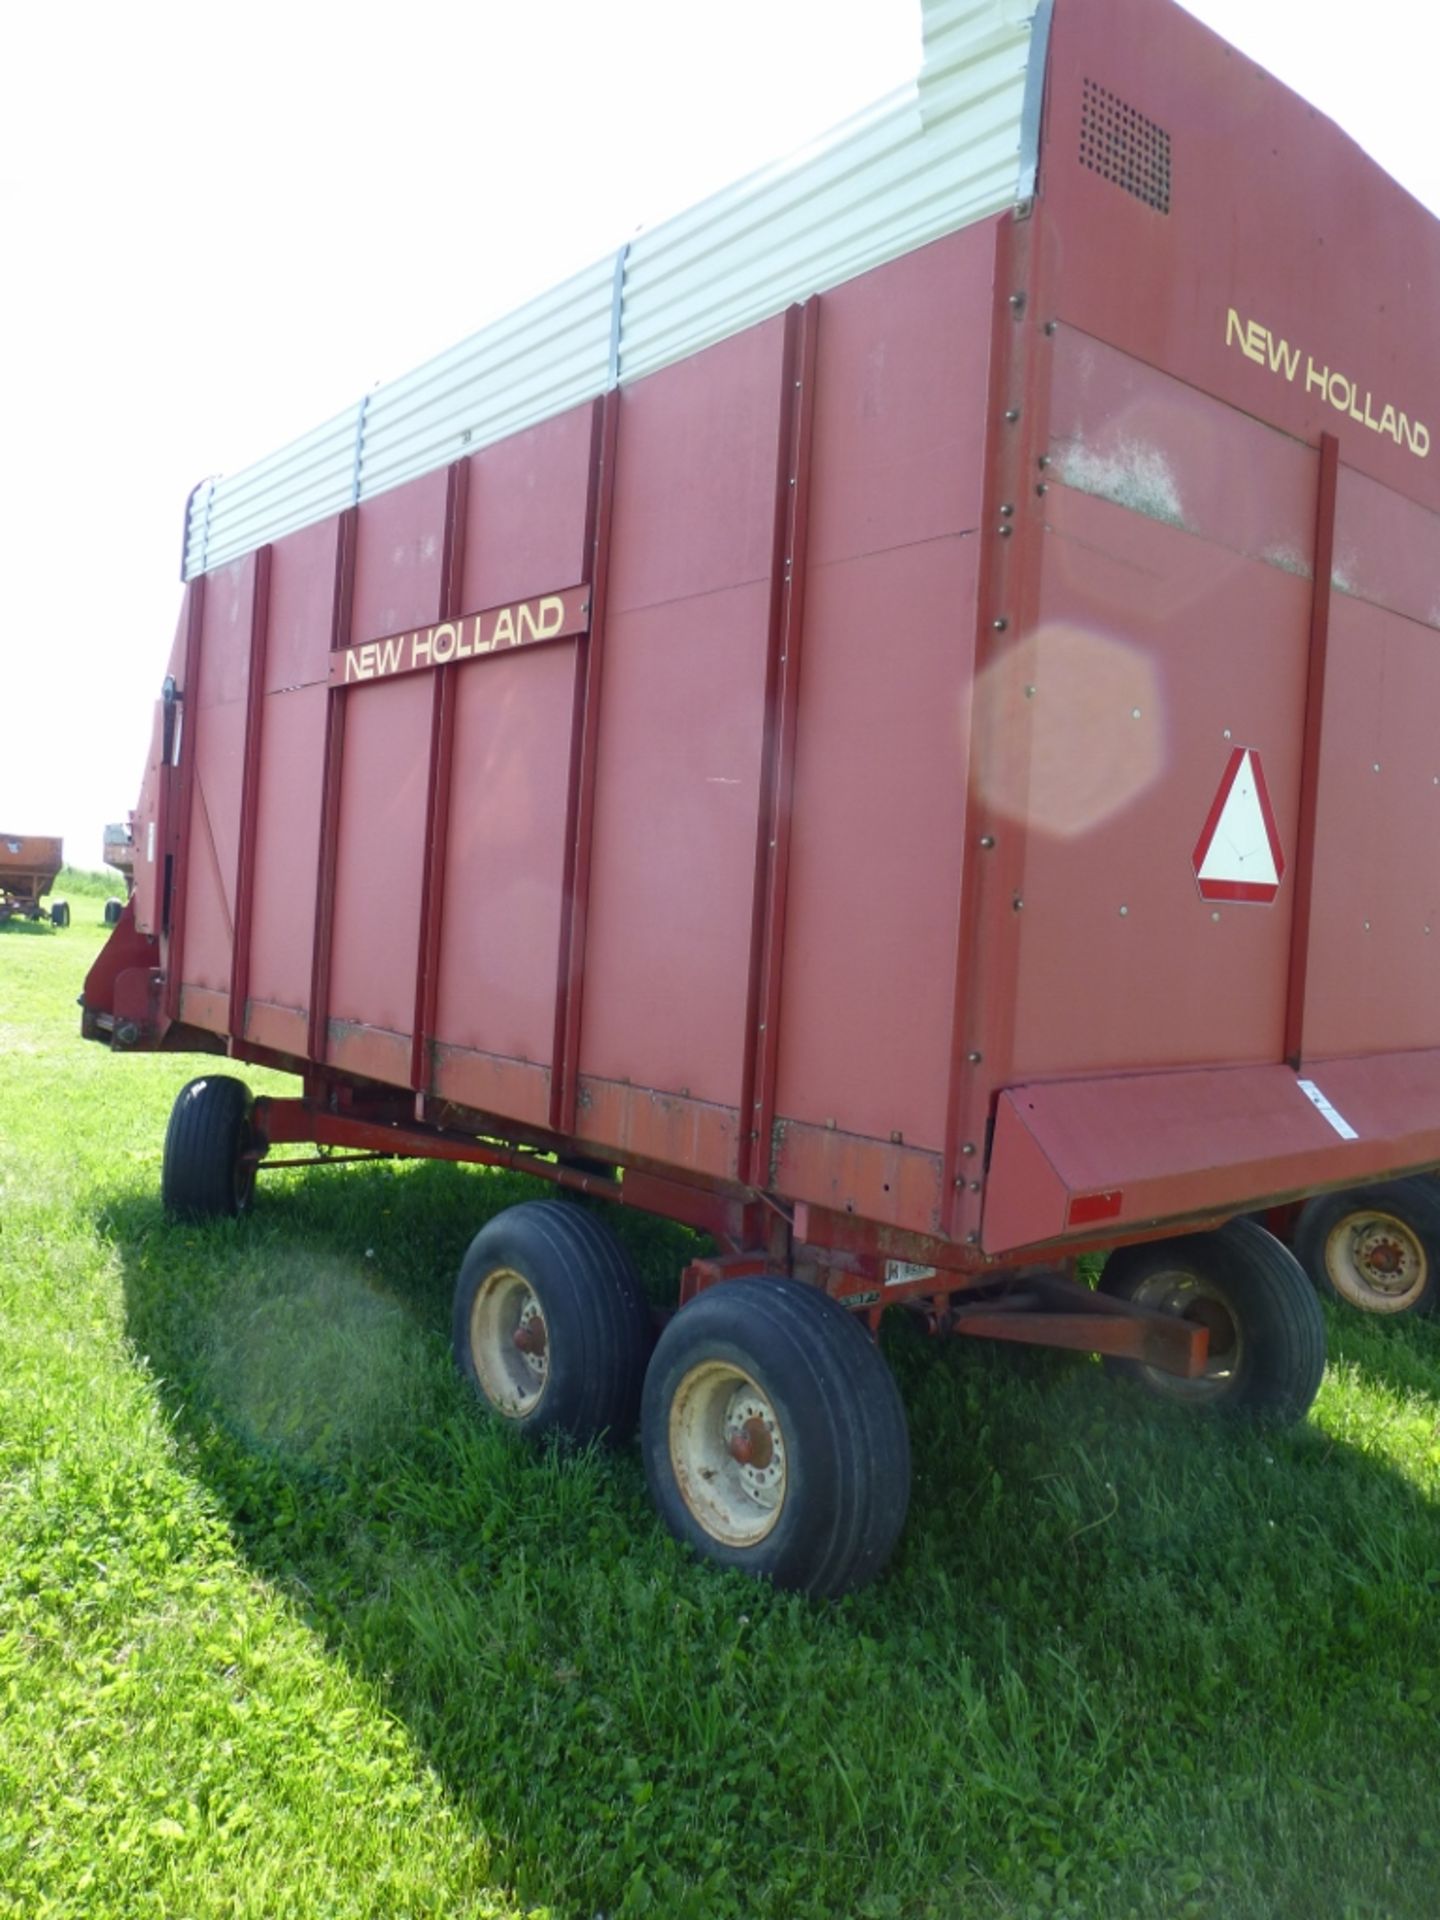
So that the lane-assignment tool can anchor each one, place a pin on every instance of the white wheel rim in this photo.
(1190, 1297)
(727, 1452)
(512, 1377)
(1376, 1261)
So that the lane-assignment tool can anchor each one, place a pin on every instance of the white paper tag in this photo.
(899, 1273)
(1317, 1100)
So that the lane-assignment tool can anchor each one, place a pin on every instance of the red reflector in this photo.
(1086, 1208)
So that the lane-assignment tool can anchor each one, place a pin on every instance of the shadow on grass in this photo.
(19, 926)
(1110, 1633)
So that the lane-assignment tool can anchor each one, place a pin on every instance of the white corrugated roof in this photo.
(933, 156)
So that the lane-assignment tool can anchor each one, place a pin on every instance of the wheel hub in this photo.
(1191, 1296)
(1376, 1261)
(727, 1450)
(509, 1343)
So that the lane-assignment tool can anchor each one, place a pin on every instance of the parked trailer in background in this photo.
(120, 854)
(897, 723)
(29, 863)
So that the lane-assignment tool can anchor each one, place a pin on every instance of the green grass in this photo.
(286, 1628)
(88, 883)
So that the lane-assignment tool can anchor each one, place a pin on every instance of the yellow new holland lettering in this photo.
(1335, 387)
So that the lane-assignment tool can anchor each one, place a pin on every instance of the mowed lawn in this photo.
(286, 1628)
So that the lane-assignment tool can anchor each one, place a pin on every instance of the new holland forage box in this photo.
(895, 722)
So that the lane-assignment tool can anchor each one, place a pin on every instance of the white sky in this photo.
(222, 223)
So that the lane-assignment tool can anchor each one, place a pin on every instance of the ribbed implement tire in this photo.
(596, 1319)
(202, 1177)
(833, 1407)
(1278, 1326)
(1321, 1238)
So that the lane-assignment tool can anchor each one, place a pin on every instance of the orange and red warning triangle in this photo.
(1238, 856)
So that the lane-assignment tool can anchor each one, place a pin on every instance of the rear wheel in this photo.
(1267, 1334)
(774, 1437)
(1376, 1248)
(207, 1174)
(59, 913)
(550, 1324)
(113, 911)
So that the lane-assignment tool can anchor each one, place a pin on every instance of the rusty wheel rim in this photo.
(509, 1343)
(727, 1451)
(1376, 1262)
(1189, 1296)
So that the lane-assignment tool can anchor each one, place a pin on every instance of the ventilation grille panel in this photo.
(1120, 144)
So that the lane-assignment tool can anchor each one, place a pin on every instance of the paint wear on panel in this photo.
(553, 616)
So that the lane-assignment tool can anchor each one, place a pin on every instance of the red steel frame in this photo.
(1300, 930)
(589, 679)
(437, 797)
(317, 1043)
(992, 880)
(1044, 1309)
(249, 791)
(177, 801)
(782, 707)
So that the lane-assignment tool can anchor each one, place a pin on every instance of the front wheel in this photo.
(60, 913)
(1267, 1334)
(774, 1437)
(1376, 1248)
(209, 1171)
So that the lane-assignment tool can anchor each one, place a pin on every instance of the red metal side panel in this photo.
(292, 772)
(215, 715)
(399, 560)
(1273, 214)
(682, 726)
(495, 1015)
(1173, 627)
(1374, 976)
(379, 871)
(149, 855)
(526, 521)
(526, 513)
(883, 711)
